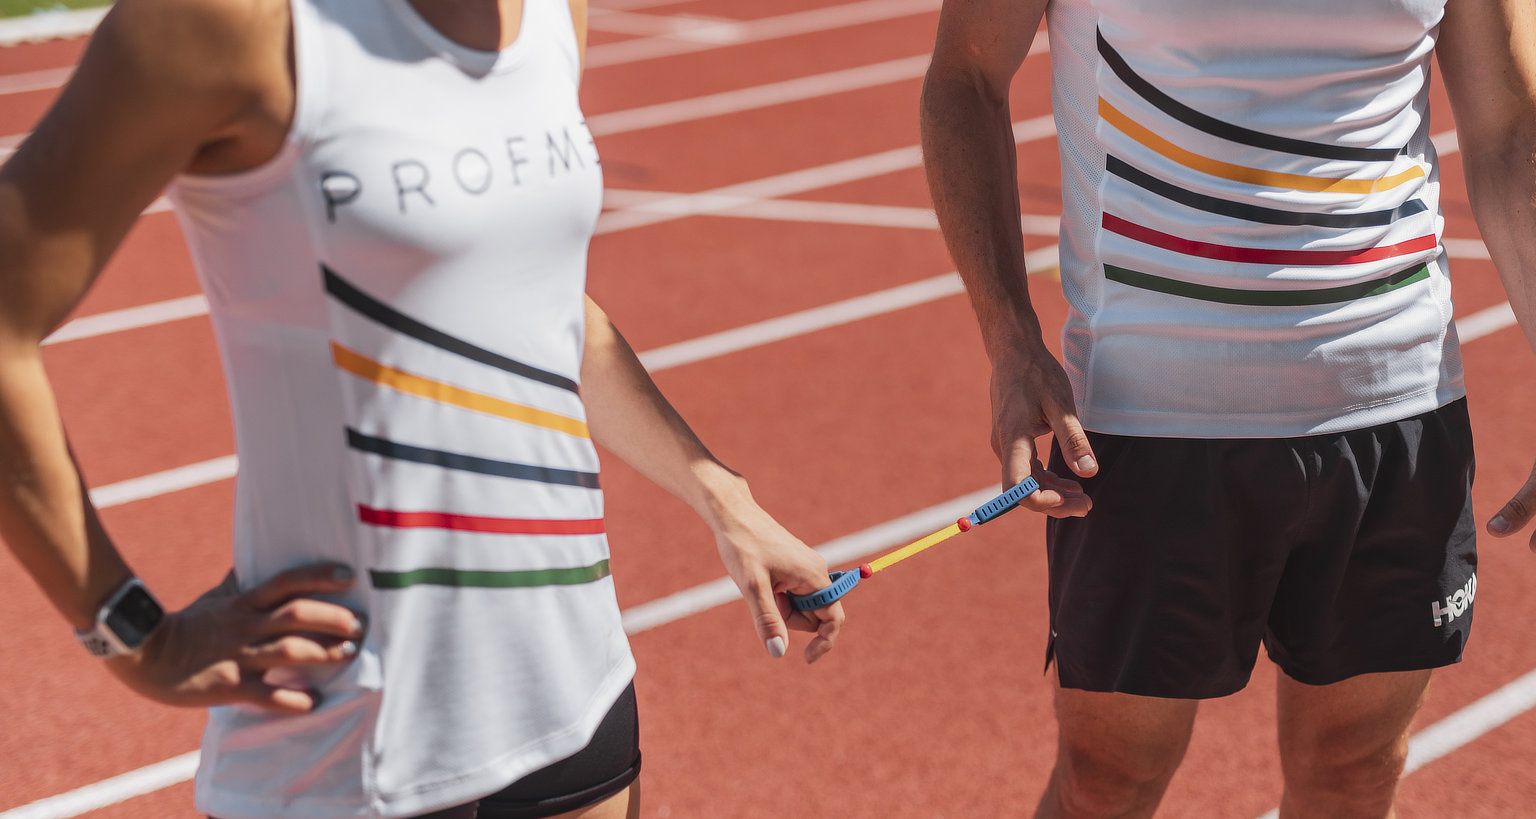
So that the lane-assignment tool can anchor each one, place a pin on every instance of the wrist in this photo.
(123, 622)
(720, 496)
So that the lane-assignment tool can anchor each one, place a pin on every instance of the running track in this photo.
(767, 242)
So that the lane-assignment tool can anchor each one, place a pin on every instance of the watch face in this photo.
(135, 616)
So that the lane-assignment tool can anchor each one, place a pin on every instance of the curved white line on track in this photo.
(1458, 729)
(130, 318)
(123, 787)
(49, 25)
(704, 38)
(34, 80)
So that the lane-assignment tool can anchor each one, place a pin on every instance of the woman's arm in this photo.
(629, 416)
(165, 86)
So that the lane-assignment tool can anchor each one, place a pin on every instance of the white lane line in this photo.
(774, 93)
(650, 25)
(1489, 320)
(751, 31)
(1471, 722)
(34, 80)
(147, 779)
(9, 142)
(49, 25)
(841, 550)
(163, 483)
(760, 96)
(800, 210)
(793, 182)
(637, 619)
(629, 5)
(1466, 248)
(1466, 725)
(1446, 143)
(116, 321)
(823, 317)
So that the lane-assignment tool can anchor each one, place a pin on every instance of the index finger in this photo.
(314, 578)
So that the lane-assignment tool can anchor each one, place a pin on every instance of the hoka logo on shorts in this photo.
(1455, 605)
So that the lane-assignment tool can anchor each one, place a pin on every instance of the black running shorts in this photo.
(607, 765)
(1343, 554)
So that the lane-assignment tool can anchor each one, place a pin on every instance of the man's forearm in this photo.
(1501, 182)
(971, 161)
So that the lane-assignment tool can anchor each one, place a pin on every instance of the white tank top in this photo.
(398, 298)
(1251, 233)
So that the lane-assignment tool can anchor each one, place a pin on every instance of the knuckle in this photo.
(766, 622)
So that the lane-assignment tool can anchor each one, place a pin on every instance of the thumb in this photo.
(771, 630)
(1073, 441)
(1517, 512)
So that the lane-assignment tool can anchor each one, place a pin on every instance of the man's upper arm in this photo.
(160, 80)
(985, 41)
(1487, 56)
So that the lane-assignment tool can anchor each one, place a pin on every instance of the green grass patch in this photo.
(20, 8)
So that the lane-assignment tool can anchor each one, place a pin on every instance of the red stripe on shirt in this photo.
(471, 523)
(1145, 235)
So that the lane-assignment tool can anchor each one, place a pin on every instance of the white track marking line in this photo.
(34, 80)
(1446, 143)
(760, 96)
(631, 5)
(827, 213)
(1466, 248)
(704, 38)
(49, 25)
(164, 483)
(774, 93)
(823, 317)
(1460, 728)
(147, 779)
(651, 25)
(116, 321)
(1489, 320)
(793, 182)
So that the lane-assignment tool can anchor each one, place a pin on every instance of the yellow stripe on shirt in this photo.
(1252, 176)
(367, 368)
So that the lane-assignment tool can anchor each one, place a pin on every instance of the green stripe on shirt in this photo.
(488, 579)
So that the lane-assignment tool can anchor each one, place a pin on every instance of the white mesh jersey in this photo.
(1250, 243)
(398, 298)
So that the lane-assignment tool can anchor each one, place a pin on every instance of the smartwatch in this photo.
(124, 622)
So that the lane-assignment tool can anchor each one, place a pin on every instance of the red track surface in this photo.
(934, 703)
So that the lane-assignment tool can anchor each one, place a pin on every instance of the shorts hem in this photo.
(1340, 675)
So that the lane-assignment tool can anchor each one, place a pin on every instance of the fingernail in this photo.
(1499, 524)
(776, 647)
(348, 649)
(342, 574)
(359, 623)
(1086, 464)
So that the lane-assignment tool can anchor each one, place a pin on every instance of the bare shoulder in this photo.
(195, 43)
(219, 70)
